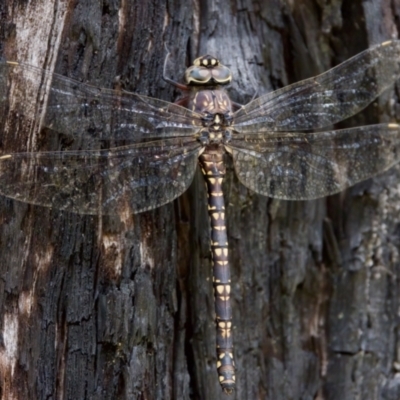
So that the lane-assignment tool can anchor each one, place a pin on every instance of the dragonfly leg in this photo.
(236, 106)
(178, 85)
(183, 101)
(254, 95)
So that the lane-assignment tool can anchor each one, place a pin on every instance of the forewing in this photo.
(126, 179)
(90, 114)
(304, 166)
(326, 99)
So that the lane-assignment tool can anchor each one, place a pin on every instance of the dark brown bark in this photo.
(109, 308)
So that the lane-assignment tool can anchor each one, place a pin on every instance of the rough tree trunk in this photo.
(122, 308)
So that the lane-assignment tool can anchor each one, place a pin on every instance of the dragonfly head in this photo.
(207, 71)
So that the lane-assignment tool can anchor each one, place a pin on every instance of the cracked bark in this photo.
(103, 308)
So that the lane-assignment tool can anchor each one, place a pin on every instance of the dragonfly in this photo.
(105, 151)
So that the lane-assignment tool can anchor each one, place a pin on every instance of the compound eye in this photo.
(197, 75)
(207, 70)
(222, 74)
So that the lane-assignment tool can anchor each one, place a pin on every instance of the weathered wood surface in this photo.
(102, 308)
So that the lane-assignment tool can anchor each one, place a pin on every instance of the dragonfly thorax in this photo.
(216, 110)
(215, 101)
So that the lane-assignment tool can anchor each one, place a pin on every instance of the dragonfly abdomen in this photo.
(213, 169)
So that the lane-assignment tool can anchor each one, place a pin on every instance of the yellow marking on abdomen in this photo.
(225, 333)
(220, 289)
(217, 215)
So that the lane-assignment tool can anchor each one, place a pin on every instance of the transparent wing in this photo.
(131, 178)
(89, 113)
(304, 166)
(326, 99)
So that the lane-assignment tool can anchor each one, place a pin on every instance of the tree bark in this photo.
(122, 308)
